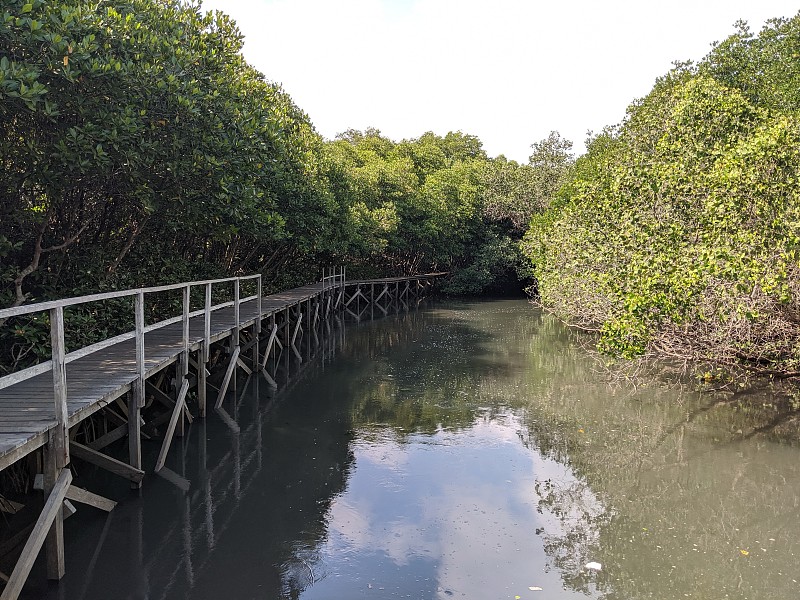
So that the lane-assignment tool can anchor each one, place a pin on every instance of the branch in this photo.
(137, 229)
(553, 314)
(67, 241)
(19, 296)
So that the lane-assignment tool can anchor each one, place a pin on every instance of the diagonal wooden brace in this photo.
(354, 296)
(297, 327)
(51, 509)
(83, 496)
(294, 337)
(227, 380)
(106, 462)
(176, 413)
(272, 337)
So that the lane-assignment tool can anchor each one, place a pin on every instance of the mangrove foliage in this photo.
(678, 232)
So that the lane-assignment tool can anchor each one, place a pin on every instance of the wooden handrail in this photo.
(337, 276)
(26, 309)
(57, 306)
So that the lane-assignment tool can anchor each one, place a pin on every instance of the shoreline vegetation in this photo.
(678, 233)
(140, 148)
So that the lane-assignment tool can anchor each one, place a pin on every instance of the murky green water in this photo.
(468, 450)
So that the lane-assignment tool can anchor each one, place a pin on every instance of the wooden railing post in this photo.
(187, 299)
(57, 450)
(59, 384)
(203, 355)
(236, 305)
(136, 400)
(140, 372)
(184, 365)
(257, 331)
(287, 319)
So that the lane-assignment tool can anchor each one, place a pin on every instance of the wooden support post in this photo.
(55, 535)
(202, 388)
(183, 371)
(308, 314)
(226, 381)
(57, 450)
(140, 370)
(134, 437)
(51, 512)
(61, 458)
(236, 315)
(286, 365)
(203, 355)
(177, 413)
(234, 340)
(136, 399)
(257, 325)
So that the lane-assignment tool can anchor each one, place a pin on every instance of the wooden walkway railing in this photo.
(41, 404)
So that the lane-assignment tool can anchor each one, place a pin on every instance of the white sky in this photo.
(508, 71)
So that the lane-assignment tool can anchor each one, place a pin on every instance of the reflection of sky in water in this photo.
(307, 500)
(452, 514)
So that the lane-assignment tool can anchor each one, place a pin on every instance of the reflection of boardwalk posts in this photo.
(139, 381)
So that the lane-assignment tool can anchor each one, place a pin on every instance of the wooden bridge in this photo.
(126, 379)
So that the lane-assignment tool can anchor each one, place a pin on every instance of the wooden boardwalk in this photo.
(42, 406)
(27, 408)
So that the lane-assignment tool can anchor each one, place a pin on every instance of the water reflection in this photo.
(466, 450)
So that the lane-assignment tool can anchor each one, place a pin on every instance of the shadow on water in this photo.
(468, 449)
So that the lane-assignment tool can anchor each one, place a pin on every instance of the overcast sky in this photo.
(508, 71)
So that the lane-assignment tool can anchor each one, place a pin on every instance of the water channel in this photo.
(463, 450)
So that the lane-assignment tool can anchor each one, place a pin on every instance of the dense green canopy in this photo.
(138, 140)
(139, 147)
(679, 230)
